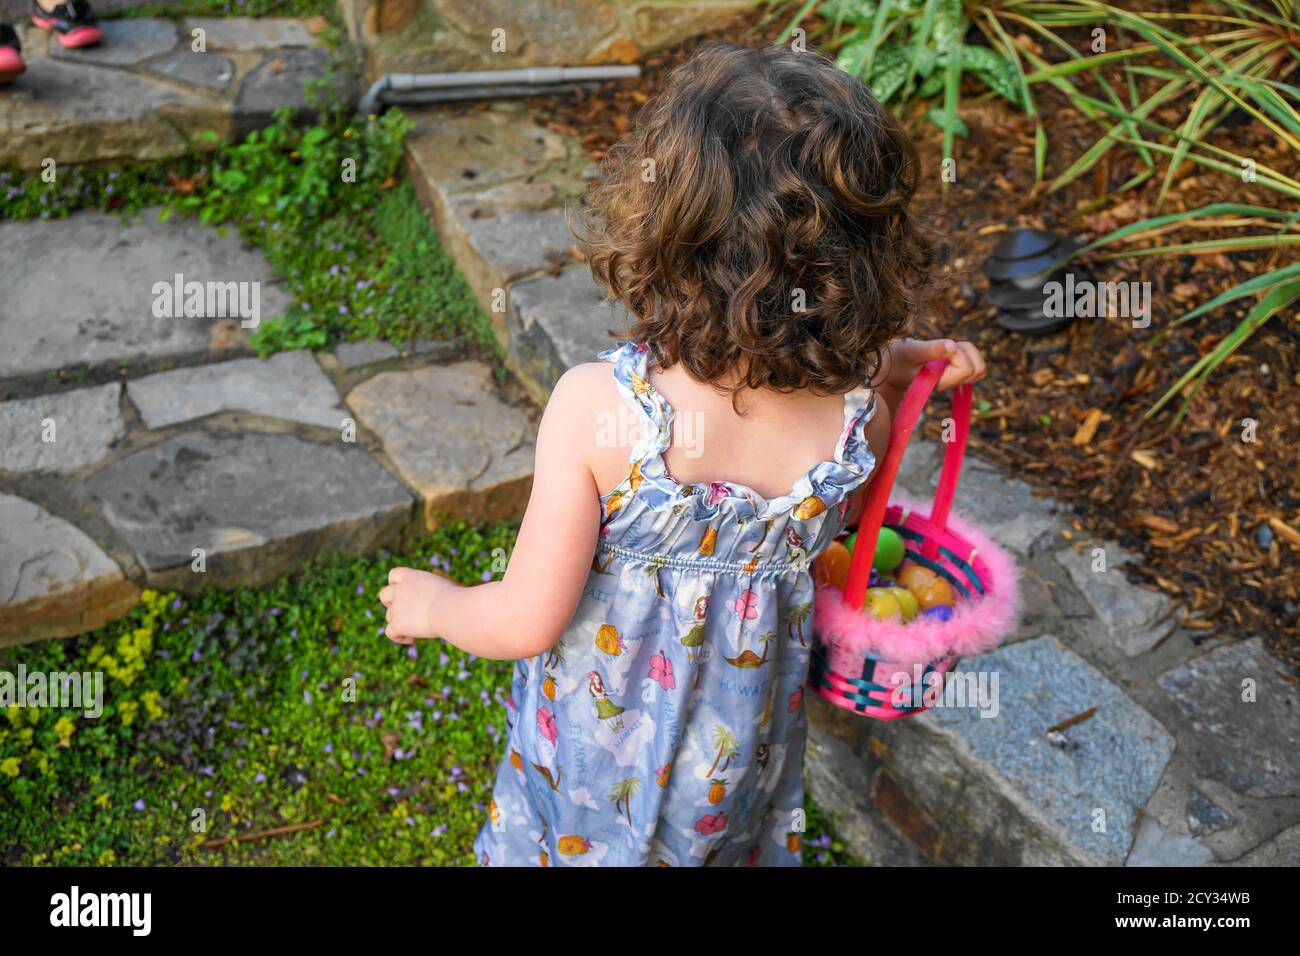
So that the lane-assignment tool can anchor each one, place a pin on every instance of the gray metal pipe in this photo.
(544, 77)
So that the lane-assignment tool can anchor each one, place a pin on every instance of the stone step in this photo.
(111, 306)
(154, 85)
(989, 786)
(501, 191)
(54, 580)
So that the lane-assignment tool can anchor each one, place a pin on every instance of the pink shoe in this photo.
(73, 23)
(11, 55)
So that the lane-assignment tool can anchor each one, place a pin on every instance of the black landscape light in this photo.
(1020, 271)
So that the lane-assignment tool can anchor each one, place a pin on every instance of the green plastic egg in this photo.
(889, 551)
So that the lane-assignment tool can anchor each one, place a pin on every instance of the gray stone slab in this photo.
(356, 354)
(208, 70)
(61, 432)
(452, 438)
(54, 580)
(1246, 718)
(288, 385)
(1153, 846)
(557, 322)
(513, 241)
(242, 34)
(1129, 616)
(1104, 768)
(101, 311)
(1006, 508)
(126, 43)
(281, 80)
(256, 504)
(1282, 850)
(74, 112)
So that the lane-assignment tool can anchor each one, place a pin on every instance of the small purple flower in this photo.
(411, 652)
(486, 576)
(176, 604)
(361, 589)
(139, 805)
(208, 772)
(260, 778)
(328, 748)
(306, 696)
(294, 632)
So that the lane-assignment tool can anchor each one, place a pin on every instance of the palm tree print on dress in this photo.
(793, 617)
(727, 746)
(622, 794)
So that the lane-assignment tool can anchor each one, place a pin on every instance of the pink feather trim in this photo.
(850, 634)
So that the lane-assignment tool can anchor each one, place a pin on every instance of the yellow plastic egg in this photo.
(882, 604)
(907, 601)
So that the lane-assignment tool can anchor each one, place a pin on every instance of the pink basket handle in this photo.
(882, 483)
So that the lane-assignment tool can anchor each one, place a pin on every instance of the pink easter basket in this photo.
(883, 668)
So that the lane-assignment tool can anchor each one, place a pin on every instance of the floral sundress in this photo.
(666, 727)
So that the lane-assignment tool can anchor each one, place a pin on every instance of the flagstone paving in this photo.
(461, 447)
(289, 386)
(105, 308)
(254, 505)
(155, 85)
(61, 432)
(54, 580)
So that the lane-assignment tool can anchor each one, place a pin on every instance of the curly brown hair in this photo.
(756, 221)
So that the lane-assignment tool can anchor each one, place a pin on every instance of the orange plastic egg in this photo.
(915, 576)
(936, 592)
(832, 567)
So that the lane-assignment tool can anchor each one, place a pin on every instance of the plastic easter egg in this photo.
(882, 605)
(915, 576)
(907, 601)
(940, 612)
(889, 551)
(832, 566)
(935, 593)
(850, 541)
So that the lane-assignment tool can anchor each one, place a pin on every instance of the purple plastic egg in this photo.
(940, 612)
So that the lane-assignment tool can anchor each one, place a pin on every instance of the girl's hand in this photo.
(905, 358)
(411, 598)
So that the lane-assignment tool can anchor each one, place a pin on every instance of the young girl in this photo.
(659, 603)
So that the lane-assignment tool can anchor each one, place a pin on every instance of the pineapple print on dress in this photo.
(675, 696)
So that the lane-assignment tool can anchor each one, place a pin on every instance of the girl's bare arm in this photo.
(527, 611)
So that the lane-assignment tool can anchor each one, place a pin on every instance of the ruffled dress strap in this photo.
(852, 449)
(656, 415)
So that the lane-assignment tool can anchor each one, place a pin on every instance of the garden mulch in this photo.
(1214, 515)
